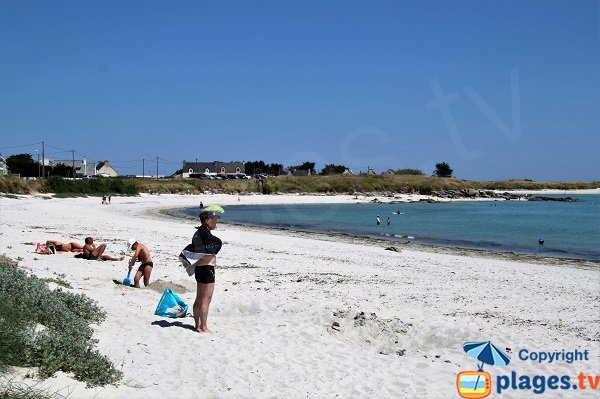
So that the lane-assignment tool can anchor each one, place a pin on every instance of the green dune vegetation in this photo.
(330, 184)
(349, 184)
(48, 330)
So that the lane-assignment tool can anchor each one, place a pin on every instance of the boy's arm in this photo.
(134, 257)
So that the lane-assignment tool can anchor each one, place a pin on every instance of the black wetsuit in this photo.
(204, 242)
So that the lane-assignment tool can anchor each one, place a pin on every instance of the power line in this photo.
(126, 167)
(169, 162)
(122, 164)
(128, 164)
(20, 146)
(132, 160)
(58, 148)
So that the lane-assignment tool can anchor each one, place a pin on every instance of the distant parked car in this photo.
(201, 176)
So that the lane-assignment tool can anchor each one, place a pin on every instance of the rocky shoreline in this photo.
(438, 196)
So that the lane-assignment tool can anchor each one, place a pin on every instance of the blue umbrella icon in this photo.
(487, 353)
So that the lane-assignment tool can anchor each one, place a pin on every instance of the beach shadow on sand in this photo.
(165, 323)
(118, 282)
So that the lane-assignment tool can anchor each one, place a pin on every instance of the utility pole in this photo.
(73, 160)
(38, 162)
(43, 162)
(143, 168)
(157, 167)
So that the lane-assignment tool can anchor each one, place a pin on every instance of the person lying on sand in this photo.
(68, 247)
(93, 252)
(143, 255)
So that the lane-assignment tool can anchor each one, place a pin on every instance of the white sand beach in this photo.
(298, 317)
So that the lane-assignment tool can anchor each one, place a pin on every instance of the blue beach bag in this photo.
(171, 305)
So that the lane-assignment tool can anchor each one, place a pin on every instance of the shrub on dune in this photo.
(49, 329)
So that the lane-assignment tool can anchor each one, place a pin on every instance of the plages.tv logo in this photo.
(478, 384)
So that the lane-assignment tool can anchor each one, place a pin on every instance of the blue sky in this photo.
(498, 90)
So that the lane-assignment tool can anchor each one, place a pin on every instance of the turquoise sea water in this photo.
(568, 229)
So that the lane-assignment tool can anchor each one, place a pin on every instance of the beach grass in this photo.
(196, 186)
(350, 184)
(12, 390)
(49, 329)
(330, 184)
(100, 185)
(16, 185)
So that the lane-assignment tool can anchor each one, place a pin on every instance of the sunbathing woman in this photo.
(68, 247)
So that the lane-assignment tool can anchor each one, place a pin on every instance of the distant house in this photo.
(3, 167)
(300, 172)
(82, 167)
(389, 172)
(213, 168)
(104, 169)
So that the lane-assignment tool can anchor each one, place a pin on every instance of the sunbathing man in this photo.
(143, 255)
(68, 247)
(93, 252)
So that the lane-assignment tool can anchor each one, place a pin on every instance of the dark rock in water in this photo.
(335, 326)
(472, 193)
(560, 199)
